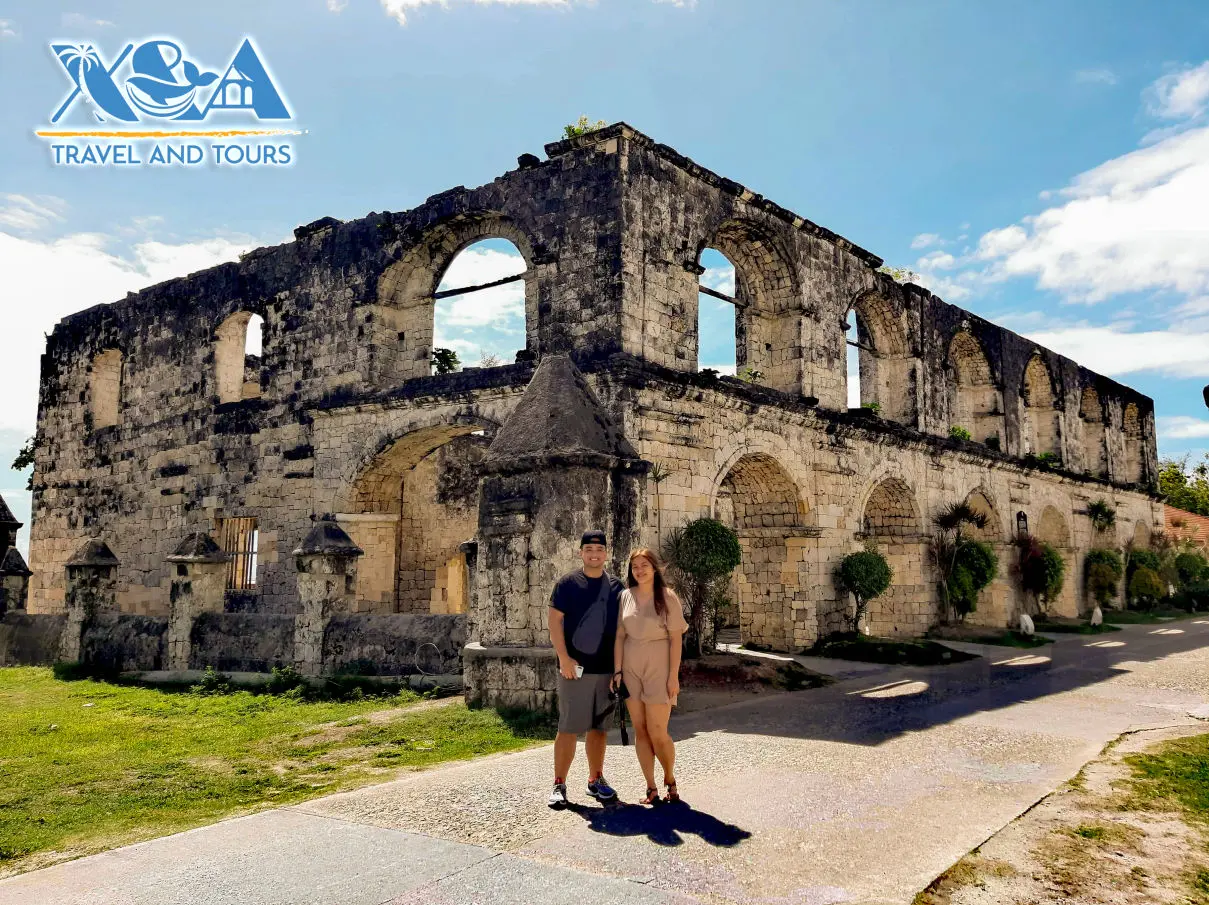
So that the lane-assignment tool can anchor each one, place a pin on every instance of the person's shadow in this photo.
(663, 824)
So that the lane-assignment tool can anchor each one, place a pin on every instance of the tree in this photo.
(1042, 570)
(582, 127)
(1146, 588)
(1103, 570)
(975, 566)
(1102, 515)
(1183, 487)
(1190, 568)
(702, 554)
(25, 458)
(445, 361)
(864, 575)
(947, 549)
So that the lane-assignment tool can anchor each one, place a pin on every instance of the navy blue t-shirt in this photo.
(574, 593)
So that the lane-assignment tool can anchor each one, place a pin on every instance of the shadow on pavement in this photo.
(664, 824)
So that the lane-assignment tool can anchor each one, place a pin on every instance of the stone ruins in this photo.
(334, 504)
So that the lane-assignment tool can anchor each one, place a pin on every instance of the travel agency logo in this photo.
(195, 112)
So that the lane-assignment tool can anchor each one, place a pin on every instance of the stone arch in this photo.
(766, 298)
(887, 370)
(996, 601)
(403, 322)
(1131, 428)
(890, 518)
(976, 401)
(1039, 420)
(1142, 538)
(410, 507)
(992, 532)
(1052, 529)
(759, 500)
(236, 373)
(1091, 415)
(105, 388)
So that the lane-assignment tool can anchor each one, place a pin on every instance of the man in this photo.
(583, 626)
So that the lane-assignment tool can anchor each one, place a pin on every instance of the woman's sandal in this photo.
(652, 796)
(672, 794)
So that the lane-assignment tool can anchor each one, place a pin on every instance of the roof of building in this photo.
(327, 537)
(558, 415)
(13, 563)
(94, 553)
(6, 515)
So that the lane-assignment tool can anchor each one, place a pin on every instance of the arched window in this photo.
(1131, 425)
(480, 307)
(976, 401)
(1091, 413)
(716, 321)
(106, 388)
(238, 345)
(1039, 419)
(880, 372)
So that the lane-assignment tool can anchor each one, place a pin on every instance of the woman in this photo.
(647, 657)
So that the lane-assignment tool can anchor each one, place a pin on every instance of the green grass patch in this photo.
(1075, 628)
(883, 650)
(1001, 639)
(88, 765)
(1173, 776)
(1148, 617)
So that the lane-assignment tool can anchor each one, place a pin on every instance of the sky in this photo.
(1045, 165)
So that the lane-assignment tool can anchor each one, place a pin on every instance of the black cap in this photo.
(593, 537)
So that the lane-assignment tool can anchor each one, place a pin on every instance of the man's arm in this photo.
(566, 665)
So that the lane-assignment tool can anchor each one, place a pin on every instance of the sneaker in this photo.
(601, 790)
(558, 796)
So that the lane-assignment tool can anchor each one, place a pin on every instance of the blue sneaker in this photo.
(600, 789)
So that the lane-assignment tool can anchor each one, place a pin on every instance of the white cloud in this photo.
(8, 29)
(25, 214)
(79, 20)
(337, 6)
(398, 9)
(1114, 350)
(1096, 77)
(925, 240)
(500, 306)
(1182, 427)
(45, 281)
(1135, 223)
(720, 279)
(936, 260)
(1181, 95)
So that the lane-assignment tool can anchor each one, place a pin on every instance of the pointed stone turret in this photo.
(199, 584)
(558, 466)
(14, 573)
(327, 580)
(91, 589)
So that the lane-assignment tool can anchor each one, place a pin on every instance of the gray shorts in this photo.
(584, 703)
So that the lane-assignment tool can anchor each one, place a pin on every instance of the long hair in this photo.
(660, 582)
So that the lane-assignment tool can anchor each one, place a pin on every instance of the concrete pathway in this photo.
(861, 792)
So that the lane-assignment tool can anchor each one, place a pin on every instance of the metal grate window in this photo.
(239, 537)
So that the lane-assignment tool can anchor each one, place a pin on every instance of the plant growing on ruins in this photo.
(1103, 569)
(24, 459)
(708, 375)
(659, 473)
(865, 575)
(1042, 570)
(1102, 515)
(959, 433)
(750, 375)
(962, 563)
(1048, 461)
(874, 407)
(702, 555)
(899, 274)
(488, 359)
(445, 361)
(992, 442)
(582, 127)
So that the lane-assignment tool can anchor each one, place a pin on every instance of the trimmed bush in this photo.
(1146, 589)
(1042, 570)
(1190, 568)
(865, 575)
(1142, 559)
(702, 554)
(1103, 569)
(975, 566)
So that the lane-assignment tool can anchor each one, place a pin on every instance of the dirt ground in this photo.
(1087, 844)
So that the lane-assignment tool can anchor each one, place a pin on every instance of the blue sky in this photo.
(1043, 164)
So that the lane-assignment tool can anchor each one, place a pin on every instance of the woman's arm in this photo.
(618, 645)
(675, 649)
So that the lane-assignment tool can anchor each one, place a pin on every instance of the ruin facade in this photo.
(466, 492)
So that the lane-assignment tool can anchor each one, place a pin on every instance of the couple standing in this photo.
(615, 641)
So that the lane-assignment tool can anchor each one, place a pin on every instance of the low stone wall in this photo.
(30, 639)
(399, 644)
(121, 642)
(242, 642)
(510, 676)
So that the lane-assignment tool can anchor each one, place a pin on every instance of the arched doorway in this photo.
(976, 401)
(880, 369)
(758, 499)
(1052, 529)
(890, 519)
(410, 509)
(995, 605)
(1040, 420)
(1091, 413)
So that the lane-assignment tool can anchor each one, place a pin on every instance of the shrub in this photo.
(283, 679)
(1190, 568)
(1142, 559)
(212, 682)
(1042, 570)
(959, 433)
(1103, 516)
(864, 575)
(703, 553)
(445, 361)
(874, 407)
(1146, 588)
(582, 127)
(1049, 460)
(1103, 569)
(974, 567)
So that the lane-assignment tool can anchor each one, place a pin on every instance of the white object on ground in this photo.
(1097, 616)
(1026, 624)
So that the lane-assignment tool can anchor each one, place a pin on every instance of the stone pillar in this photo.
(557, 467)
(199, 583)
(327, 581)
(91, 589)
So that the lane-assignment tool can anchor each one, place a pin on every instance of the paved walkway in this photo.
(861, 792)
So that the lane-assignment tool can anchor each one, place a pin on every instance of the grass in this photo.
(1173, 776)
(1146, 617)
(89, 765)
(1002, 639)
(882, 650)
(1075, 628)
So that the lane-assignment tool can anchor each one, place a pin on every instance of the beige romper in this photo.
(645, 662)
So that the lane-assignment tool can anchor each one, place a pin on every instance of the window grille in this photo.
(239, 538)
